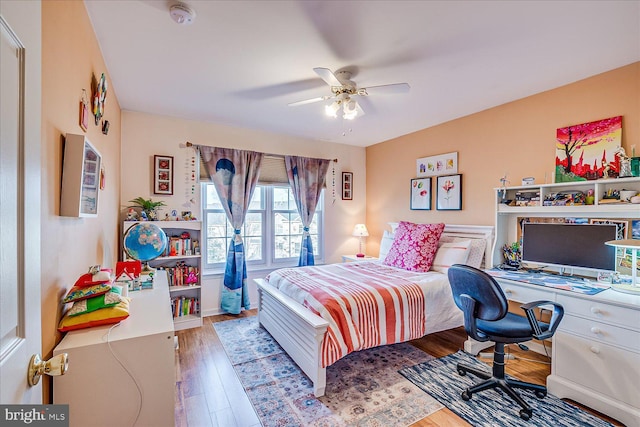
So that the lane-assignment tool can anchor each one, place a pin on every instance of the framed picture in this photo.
(347, 185)
(442, 164)
(163, 175)
(421, 194)
(449, 193)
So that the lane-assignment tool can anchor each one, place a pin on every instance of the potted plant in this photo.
(147, 206)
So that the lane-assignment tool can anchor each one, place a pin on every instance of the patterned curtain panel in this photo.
(234, 174)
(306, 177)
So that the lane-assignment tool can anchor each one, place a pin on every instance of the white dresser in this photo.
(98, 388)
(596, 348)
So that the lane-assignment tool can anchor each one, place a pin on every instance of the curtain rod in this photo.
(189, 144)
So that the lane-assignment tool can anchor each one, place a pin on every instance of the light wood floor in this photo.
(208, 393)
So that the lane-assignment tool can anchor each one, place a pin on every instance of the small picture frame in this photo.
(449, 193)
(163, 175)
(347, 185)
(420, 194)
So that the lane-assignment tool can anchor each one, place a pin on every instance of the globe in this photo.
(145, 241)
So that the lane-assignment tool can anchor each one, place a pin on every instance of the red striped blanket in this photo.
(367, 304)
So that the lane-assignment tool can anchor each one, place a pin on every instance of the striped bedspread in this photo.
(368, 304)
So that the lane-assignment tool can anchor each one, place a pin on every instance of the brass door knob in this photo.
(55, 366)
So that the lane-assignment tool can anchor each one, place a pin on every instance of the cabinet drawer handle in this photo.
(595, 350)
(596, 310)
(596, 331)
(508, 291)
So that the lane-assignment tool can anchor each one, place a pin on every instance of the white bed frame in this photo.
(300, 332)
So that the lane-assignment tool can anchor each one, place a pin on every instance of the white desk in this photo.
(98, 389)
(596, 348)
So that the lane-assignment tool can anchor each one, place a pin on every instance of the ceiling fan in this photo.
(343, 89)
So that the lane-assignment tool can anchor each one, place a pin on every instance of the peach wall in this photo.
(70, 56)
(144, 135)
(517, 138)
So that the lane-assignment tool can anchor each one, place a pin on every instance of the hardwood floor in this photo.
(208, 393)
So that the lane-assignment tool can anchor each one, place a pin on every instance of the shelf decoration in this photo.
(589, 150)
(421, 194)
(449, 193)
(84, 111)
(442, 164)
(163, 175)
(347, 185)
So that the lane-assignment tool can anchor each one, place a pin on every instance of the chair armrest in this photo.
(556, 316)
(469, 311)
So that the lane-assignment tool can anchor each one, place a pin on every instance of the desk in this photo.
(98, 390)
(596, 348)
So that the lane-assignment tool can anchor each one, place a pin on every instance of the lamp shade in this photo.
(360, 230)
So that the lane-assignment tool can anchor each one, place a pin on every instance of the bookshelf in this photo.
(182, 263)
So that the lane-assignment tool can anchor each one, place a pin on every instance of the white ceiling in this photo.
(241, 62)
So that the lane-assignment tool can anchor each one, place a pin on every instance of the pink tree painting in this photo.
(588, 150)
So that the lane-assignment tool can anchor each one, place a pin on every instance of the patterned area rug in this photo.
(491, 408)
(363, 389)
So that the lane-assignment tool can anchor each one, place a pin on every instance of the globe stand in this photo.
(146, 269)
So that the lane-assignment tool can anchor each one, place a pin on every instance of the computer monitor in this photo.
(569, 245)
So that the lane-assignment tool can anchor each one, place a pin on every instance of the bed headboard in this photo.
(484, 232)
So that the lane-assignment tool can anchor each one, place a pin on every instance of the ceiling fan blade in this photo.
(328, 76)
(391, 88)
(309, 101)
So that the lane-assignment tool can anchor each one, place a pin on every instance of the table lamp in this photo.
(634, 245)
(360, 231)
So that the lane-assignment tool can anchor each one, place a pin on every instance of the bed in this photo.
(297, 319)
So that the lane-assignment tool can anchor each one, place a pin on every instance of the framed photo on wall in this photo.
(347, 185)
(163, 175)
(421, 194)
(449, 193)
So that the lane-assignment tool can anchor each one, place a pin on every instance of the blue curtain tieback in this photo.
(237, 231)
(306, 229)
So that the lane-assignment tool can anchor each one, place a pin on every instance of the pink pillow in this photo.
(414, 246)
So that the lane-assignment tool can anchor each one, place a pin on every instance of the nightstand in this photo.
(349, 258)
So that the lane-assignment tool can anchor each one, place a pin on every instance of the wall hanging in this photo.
(437, 165)
(421, 194)
(449, 193)
(347, 185)
(163, 175)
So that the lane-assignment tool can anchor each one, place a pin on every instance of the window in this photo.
(272, 231)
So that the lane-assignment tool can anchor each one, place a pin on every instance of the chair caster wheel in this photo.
(541, 394)
(462, 373)
(526, 414)
(466, 395)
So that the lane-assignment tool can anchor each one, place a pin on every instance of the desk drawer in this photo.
(602, 332)
(606, 370)
(601, 311)
(524, 294)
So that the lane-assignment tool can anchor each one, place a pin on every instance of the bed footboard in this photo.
(298, 331)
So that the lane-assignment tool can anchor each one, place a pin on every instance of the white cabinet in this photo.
(80, 177)
(182, 262)
(117, 374)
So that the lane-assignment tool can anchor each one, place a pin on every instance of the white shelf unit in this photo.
(596, 349)
(80, 177)
(507, 216)
(192, 291)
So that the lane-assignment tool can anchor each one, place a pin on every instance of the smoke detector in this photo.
(182, 14)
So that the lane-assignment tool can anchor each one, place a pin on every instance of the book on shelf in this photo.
(182, 275)
(185, 306)
(182, 246)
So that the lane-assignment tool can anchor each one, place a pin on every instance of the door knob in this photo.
(55, 366)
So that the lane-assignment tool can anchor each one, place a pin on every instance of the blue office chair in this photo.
(486, 318)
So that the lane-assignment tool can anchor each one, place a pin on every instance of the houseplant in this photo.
(147, 206)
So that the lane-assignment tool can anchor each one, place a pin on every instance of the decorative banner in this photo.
(589, 150)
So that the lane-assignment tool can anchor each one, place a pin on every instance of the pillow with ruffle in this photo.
(414, 246)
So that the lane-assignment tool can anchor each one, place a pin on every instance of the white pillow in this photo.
(451, 253)
(385, 244)
(476, 250)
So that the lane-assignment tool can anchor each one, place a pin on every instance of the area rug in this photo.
(363, 389)
(492, 408)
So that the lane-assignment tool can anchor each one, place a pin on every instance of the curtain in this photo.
(234, 174)
(307, 179)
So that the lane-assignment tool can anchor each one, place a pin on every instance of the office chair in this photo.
(486, 318)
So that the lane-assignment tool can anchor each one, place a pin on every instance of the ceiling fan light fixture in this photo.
(350, 110)
(331, 110)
